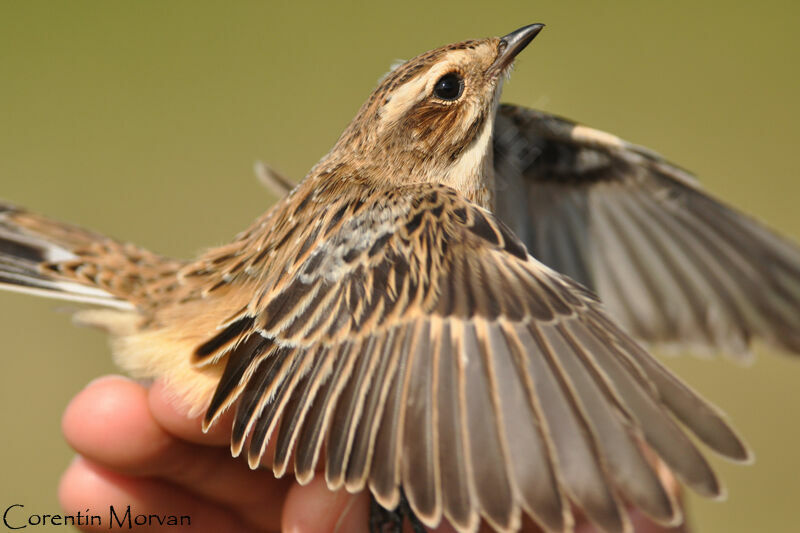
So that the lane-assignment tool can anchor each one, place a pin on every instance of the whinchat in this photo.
(421, 316)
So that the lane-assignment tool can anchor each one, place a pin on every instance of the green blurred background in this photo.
(143, 120)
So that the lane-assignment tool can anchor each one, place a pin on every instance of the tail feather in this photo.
(60, 290)
(29, 244)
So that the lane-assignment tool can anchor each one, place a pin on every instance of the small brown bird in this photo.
(381, 324)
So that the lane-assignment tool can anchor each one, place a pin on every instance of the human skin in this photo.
(137, 447)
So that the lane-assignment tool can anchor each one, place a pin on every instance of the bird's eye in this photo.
(449, 87)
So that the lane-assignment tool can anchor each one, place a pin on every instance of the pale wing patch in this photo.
(585, 134)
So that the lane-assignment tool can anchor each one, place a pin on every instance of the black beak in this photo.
(511, 45)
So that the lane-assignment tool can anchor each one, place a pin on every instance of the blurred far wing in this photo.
(671, 263)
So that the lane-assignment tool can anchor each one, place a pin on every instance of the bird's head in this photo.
(431, 118)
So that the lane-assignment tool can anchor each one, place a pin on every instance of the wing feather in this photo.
(258, 388)
(458, 490)
(420, 474)
(688, 278)
(384, 481)
(580, 466)
(703, 419)
(611, 427)
(241, 363)
(347, 416)
(267, 412)
(490, 478)
(531, 461)
(367, 426)
(296, 409)
(658, 428)
(314, 425)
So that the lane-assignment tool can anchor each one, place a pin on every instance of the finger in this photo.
(110, 423)
(314, 509)
(173, 415)
(107, 495)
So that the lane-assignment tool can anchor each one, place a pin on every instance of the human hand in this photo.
(137, 448)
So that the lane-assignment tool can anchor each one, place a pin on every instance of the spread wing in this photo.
(670, 263)
(415, 345)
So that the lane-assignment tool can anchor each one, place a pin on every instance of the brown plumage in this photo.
(389, 332)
